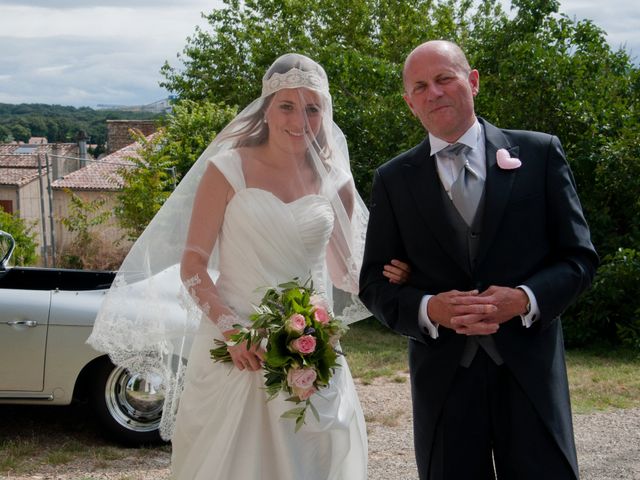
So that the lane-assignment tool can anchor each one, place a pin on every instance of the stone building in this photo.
(119, 132)
(35, 179)
(25, 174)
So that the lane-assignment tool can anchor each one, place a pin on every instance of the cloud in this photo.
(73, 4)
(96, 54)
(620, 19)
(110, 51)
(80, 72)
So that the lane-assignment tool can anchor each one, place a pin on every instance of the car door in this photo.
(24, 316)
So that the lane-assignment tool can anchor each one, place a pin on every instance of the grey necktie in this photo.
(467, 188)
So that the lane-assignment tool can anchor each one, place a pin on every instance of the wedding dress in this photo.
(225, 427)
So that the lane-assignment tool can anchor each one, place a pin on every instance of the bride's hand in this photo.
(243, 357)
(397, 272)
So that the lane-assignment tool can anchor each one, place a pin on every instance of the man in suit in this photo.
(481, 309)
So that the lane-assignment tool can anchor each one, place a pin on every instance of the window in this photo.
(6, 205)
(28, 149)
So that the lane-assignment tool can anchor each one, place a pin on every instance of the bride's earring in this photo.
(264, 120)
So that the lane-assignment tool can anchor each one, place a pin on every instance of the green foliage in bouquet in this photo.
(300, 338)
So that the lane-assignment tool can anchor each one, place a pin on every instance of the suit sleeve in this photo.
(573, 260)
(394, 305)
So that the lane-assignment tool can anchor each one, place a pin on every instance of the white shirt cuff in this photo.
(426, 325)
(534, 311)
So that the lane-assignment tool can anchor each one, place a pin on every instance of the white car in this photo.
(46, 315)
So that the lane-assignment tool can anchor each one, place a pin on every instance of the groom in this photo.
(491, 224)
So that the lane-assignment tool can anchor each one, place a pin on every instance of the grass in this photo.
(374, 351)
(19, 456)
(600, 378)
(603, 379)
(51, 439)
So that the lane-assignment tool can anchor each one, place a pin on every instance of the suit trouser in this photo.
(488, 418)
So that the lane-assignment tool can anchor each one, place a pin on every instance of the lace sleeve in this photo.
(197, 298)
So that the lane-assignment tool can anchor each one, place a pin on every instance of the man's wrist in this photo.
(428, 326)
(527, 302)
(530, 308)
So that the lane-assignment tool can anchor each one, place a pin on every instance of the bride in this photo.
(271, 199)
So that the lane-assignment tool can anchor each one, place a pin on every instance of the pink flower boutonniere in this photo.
(505, 161)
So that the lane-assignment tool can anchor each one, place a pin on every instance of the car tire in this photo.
(127, 406)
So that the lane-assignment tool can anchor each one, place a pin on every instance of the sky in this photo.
(92, 52)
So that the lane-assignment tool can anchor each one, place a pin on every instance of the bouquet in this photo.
(300, 335)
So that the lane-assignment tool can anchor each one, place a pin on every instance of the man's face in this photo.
(440, 91)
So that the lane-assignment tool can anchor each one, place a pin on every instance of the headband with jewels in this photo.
(294, 78)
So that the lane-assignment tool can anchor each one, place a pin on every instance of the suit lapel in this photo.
(422, 181)
(498, 186)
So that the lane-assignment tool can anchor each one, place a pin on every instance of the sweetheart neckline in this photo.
(273, 195)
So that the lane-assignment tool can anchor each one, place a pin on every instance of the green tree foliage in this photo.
(24, 236)
(610, 310)
(549, 73)
(84, 216)
(361, 44)
(164, 158)
(59, 123)
(189, 128)
(539, 70)
(148, 183)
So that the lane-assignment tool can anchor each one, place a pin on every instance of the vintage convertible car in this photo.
(46, 315)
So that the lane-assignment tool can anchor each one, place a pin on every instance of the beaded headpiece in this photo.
(294, 78)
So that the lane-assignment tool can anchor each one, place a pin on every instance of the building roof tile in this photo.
(102, 174)
(17, 176)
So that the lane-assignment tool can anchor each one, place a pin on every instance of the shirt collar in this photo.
(470, 138)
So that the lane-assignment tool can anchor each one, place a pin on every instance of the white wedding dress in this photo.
(225, 428)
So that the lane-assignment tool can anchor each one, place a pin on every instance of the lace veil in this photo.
(152, 310)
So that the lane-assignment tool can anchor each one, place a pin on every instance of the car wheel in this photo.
(128, 406)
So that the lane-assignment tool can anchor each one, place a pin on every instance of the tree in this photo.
(539, 70)
(164, 158)
(190, 128)
(148, 183)
(84, 217)
(360, 43)
(59, 123)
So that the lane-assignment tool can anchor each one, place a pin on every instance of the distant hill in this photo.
(61, 123)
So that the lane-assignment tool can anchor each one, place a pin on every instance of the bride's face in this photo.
(293, 114)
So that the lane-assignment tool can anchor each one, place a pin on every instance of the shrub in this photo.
(610, 310)
(24, 236)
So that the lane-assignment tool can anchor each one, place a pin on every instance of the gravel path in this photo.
(608, 445)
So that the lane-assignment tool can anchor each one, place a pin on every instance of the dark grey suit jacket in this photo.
(533, 233)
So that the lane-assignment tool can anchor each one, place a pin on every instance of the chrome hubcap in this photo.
(134, 401)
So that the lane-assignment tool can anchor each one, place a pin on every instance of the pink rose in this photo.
(321, 315)
(318, 301)
(305, 344)
(301, 378)
(295, 323)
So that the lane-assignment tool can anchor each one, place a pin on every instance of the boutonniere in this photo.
(505, 161)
